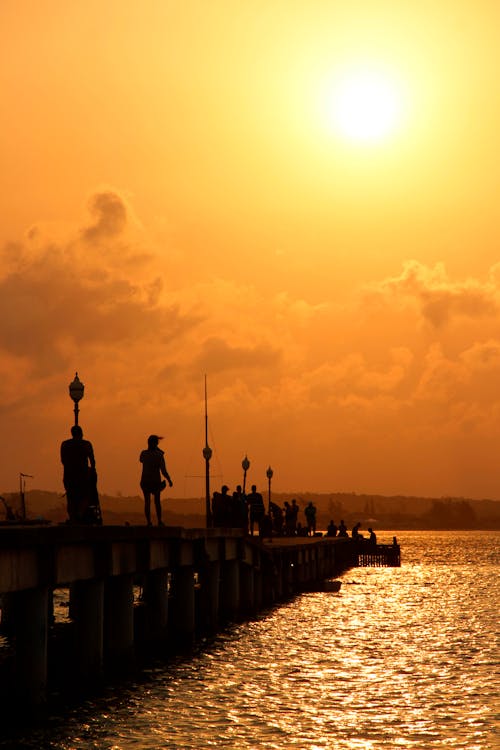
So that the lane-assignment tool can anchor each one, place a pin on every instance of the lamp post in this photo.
(76, 389)
(207, 455)
(269, 475)
(245, 465)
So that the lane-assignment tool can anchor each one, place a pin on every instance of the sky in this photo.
(183, 194)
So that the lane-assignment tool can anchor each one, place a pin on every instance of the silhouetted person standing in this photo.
(153, 468)
(80, 478)
(310, 513)
(256, 508)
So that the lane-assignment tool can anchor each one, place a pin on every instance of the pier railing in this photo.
(378, 555)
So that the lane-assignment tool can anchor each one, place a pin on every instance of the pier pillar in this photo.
(87, 609)
(155, 599)
(119, 621)
(182, 622)
(247, 589)
(314, 565)
(207, 616)
(30, 612)
(289, 575)
(258, 588)
(230, 589)
(278, 581)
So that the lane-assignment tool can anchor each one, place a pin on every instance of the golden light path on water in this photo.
(400, 658)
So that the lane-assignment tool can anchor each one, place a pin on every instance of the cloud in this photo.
(109, 214)
(58, 299)
(437, 298)
(217, 355)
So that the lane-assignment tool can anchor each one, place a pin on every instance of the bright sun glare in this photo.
(365, 105)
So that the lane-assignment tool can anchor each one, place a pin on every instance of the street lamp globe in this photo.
(76, 389)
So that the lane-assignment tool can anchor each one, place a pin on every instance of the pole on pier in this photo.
(207, 455)
(245, 465)
(269, 475)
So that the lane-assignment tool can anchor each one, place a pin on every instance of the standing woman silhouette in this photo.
(153, 467)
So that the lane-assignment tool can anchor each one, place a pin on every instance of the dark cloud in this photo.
(51, 303)
(109, 214)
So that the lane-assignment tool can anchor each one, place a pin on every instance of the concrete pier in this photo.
(191, 582)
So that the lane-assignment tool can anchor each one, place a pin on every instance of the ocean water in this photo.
(399, 658)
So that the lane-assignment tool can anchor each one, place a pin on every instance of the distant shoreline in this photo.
(394, 513)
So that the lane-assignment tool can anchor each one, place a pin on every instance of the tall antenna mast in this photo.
(207, 455)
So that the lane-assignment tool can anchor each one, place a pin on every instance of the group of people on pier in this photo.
(247, 511)
(341, 531)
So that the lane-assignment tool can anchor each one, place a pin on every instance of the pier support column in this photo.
(278, 581)
(119, 622)
(230, 589)
(258, 588)
(247, 589)
(30, 612)
(87, 608)
(155, 598)
(288, 576)
(182, 621)
(207, 616)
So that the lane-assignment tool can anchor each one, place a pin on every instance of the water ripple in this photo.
(406, 659)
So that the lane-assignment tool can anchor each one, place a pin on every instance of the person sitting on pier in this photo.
(80, 478)
(153, 467)
(355, 531)
(342, 528)
(256, 508)
(373, 537)
(310, 513)
(331, 529)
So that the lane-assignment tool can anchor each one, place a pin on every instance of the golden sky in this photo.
(178, 198)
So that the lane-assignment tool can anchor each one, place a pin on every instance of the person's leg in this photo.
(158, 508)
(147, 506)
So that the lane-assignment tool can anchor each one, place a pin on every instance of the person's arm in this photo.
(164, 471)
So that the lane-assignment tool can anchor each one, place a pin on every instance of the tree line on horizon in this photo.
(379, 511)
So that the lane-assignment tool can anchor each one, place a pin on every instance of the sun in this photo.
(365, 105)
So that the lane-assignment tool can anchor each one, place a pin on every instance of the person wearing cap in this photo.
(153, 468)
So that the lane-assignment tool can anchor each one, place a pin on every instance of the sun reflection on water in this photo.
(400, 658)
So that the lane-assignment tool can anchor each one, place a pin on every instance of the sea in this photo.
(398, 658)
